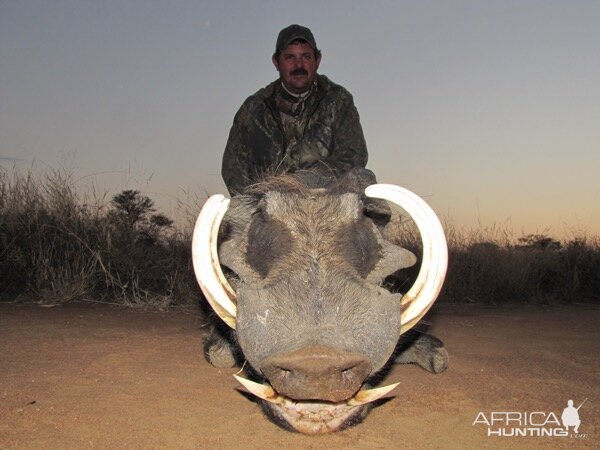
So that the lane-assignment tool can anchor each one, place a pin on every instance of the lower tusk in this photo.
(268, 394)
(365, 396)
(260, 390)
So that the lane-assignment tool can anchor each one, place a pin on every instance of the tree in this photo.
(133, 206)
(134, 210)
(539, 242)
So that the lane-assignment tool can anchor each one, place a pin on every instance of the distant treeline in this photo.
(529, 272)
(55, 248)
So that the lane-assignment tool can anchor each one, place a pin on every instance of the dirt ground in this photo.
(106, 377)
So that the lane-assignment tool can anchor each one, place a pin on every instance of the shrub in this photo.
(55, 248)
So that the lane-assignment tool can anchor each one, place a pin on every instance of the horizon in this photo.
(184, 208)
(489, 111)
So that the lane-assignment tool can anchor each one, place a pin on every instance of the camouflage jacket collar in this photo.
(270, 91)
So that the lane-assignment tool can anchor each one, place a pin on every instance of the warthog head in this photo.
(309, 311)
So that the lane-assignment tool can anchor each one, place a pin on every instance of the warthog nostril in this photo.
(348, 373)
(317, 373)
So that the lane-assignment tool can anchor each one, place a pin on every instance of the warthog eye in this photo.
(268, 241)
(359, 246)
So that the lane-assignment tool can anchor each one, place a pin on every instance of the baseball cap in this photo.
(293, 32)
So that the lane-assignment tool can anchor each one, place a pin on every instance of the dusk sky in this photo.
(490, 110)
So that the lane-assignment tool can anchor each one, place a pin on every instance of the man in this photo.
(303, 120)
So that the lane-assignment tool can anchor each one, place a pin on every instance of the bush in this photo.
(538, 269)
(55, 248)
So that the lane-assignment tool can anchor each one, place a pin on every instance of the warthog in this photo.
(308, 312)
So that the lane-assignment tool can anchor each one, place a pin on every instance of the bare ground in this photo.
(107, 377)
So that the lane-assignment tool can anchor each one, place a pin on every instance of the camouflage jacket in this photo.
(257, 145)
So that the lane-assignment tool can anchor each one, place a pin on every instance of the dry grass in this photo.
(56, 247)
(492, 265)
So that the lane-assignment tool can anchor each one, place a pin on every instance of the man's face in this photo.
(297, 67)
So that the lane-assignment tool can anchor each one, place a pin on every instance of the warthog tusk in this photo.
(431, 276)
(365, 396)
(268, 394)
(208, 271)
(260, 390)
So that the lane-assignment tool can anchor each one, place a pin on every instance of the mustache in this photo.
(299, 72)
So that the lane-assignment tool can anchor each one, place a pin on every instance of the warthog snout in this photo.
(316, 372)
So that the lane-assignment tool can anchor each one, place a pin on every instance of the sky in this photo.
(490, 110)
